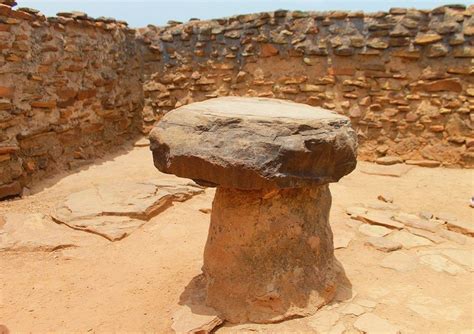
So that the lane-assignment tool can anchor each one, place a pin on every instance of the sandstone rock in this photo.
(352, 309)
(379, 219)
(370, 323)
(385, 198)
(36, 233)
(388, 160)
(115, 211)
(452, 85)
(268, 50)
(426, 234)
(252, 143)
(461, 227)
(240, 292)
(342, 239)
(143, 142)
(268, 161)
(441, 264)
(396, 170)
(423, 163)
(399, 261)
(427, 38)
(10, 189)
(323, 321)
(383, 244)
(408, 240)
(430, 308)
(454, 236)
(461, 257)
(373, 230)
(195, 319)
(416, 222)
(356, 210)
(366, 303)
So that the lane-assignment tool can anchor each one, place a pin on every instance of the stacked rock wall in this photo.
(70, 90)
(73, 87)
(404, 77)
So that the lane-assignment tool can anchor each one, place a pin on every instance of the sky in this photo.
(139, 13)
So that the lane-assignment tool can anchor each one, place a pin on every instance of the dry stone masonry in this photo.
(404, 77)
(69, 91)
(73, 87)
(269, 255)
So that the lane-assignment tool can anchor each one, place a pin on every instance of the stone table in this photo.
(269, 254)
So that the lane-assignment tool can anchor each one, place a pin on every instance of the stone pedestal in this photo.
(269, 255)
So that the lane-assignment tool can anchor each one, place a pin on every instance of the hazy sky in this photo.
(142, 12)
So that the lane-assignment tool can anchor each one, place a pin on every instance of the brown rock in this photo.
(461, 227)
(383, 244)
(423, 163)
(452, 84)
(429, 38)
(44, 104)
(268, 50)
(237, 245)
(379, 219)
(388, 160)
(10, 189)
(6, 92)
(253, 143)
(261, 216)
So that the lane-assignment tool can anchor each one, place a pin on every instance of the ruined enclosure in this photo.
(296, 237)
(73, 87)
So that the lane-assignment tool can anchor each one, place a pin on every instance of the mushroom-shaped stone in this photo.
(269, 254)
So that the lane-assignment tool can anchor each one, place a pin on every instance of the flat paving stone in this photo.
(400, 261)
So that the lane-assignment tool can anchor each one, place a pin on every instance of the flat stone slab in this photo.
(254, 143)
(114, 211)
(396, 170)
(372, 324)
(200, 320)
(35, 232)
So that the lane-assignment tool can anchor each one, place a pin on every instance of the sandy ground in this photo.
(134, 285)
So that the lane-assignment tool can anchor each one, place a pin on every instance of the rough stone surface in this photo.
(370, 323)
(70, 91)
(342, 239)
(408, 240)
(35, 233)
(254, 143)
(196, 319)
(404, 79)
(115, 211)
(383, 244)
(408, 101)
(323, 321)
(246, 278)
(441, 264)
(381, 219)
(374, 230)
(416, 222)
(400, 261)
(396, 170)
(461, 227)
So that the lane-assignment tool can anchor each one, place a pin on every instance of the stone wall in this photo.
(405, 78)
(70, 90)
(73, 87)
